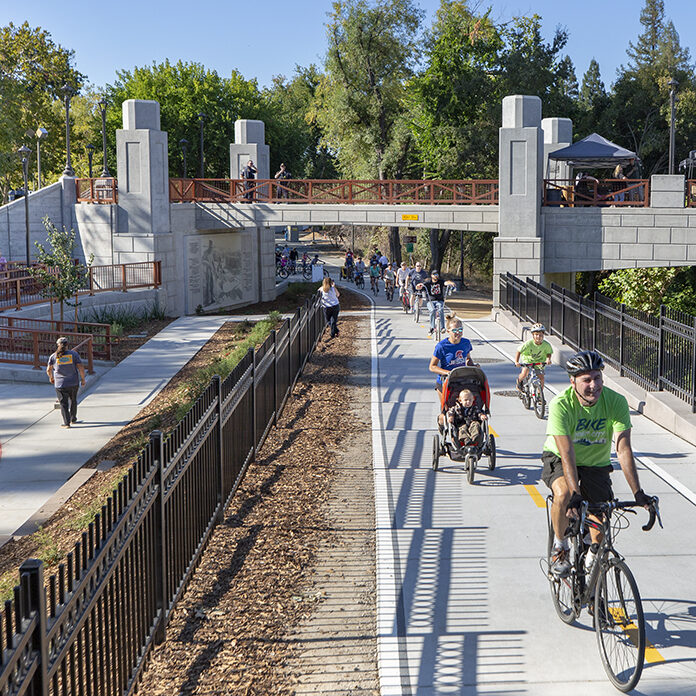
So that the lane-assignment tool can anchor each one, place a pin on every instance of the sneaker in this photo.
(65, 425)
(74, 420)
(560, 565)
(431, 332)
(519, 386)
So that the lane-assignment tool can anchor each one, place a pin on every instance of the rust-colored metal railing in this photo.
(691, 193)
(368, 191)
(16, 293)
(97, 190)
(633, 193)
(101, 333)
(33, 347)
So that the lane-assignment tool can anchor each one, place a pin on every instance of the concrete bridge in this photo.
(154, 218)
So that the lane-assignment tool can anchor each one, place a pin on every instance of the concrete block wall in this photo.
(48, 201)
(97, 226)
(590, 239)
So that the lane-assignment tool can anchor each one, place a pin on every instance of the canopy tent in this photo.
(594, 152)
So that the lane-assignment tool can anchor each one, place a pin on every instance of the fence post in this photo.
(693, 370)
(221, 454)
(32, 582)
(563, 333)
(160, 538)
(35, 348)
(621, 341)
(90, 355)
(91, 281)
(253, 404)
(123, 277)
(275, 376)
(594, 321)
(661, 346)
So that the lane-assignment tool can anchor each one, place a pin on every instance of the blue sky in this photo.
(269, 37)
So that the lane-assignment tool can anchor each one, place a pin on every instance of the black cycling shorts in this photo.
(595, 481)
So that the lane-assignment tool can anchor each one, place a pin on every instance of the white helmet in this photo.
(537, 327)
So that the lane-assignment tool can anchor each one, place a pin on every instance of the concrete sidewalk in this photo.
(37, 456)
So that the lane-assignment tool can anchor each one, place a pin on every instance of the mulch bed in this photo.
(253, 585)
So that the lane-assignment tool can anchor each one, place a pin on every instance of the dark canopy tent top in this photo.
(594, 152)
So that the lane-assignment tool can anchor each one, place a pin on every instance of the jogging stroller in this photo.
(447, 443)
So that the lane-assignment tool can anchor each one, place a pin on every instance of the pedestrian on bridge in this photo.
(66, 372)
(249, 174)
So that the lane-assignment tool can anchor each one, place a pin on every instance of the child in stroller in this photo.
(465, 392)
(466, 417)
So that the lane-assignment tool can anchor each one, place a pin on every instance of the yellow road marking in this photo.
(631, 630)
(536, 496)
(492, 432)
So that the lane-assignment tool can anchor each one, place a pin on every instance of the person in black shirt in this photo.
(249, 174)
(435, 291)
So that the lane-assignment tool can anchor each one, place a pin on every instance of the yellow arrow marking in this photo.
(492, 432)
(631, 630)
(536, 496)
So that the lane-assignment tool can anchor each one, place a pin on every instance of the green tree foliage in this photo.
(33, 68)
(372, 48)
(59, 275)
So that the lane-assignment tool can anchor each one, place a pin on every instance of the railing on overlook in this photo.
(100, 190)
(369, 191)
(566, 193)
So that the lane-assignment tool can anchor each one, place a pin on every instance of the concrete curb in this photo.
(663, 408)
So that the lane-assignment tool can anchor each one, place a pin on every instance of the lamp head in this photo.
(24, 151)
(41, 133)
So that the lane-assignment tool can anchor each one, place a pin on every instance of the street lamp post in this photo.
(201, 119)
(184, 144)
(673, 84)
(24, 152)
(41, 134)
(102, 109)
(68, 94)
(90, 154)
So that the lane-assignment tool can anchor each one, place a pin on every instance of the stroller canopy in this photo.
(594, 152)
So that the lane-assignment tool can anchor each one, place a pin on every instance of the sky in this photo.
(266, 38)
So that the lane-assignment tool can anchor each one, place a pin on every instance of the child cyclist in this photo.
(534, 351)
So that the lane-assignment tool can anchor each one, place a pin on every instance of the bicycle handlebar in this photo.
(653, 510)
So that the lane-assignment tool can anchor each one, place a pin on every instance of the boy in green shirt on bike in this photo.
(534, 351)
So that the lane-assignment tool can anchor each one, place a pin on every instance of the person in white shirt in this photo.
(329, 301)
(402, 276)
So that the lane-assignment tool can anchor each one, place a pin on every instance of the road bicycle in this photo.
(532, 393)
(405, 301)
(359, 280)
(424, 295)
(389, 290)
(282, 269)
(374, 285)
(603, 583)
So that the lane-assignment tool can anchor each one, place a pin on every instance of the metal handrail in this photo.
(97, 190)
(354, 191)
(567, 193)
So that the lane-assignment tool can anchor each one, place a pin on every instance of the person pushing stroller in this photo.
(466, 417)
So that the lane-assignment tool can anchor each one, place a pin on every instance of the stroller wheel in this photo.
(436, 452)
(491, 453)
(470, 463)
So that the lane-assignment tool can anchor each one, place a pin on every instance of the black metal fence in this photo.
(657, 352)
(91, 628)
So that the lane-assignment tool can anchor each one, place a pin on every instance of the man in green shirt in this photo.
(577, 451)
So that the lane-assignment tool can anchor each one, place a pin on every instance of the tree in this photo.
(59, 275)
(645, 51)
(33, 68)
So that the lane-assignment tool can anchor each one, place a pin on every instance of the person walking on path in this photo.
(249, 174)
(66, 372)
(329, 301)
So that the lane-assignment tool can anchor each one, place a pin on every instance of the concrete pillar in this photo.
(143, 170)
(518, 248)
(667, 191)
(558, 133)
(249, 144)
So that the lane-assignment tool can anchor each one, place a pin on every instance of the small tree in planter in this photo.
(59, 275)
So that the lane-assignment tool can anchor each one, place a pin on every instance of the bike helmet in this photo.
(584, 361)
(537, 327)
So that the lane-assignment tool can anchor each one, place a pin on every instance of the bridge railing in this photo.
(633, 193)
(91, 627)
(691, 193)
(101, 190)
(656, 352)
(368, 191)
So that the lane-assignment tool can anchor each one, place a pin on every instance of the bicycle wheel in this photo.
(307, 274)
(416, 308)
(283, 273)
(562, 592)
(619, 625)
(539, 402)
(526, 397)
(436, 452)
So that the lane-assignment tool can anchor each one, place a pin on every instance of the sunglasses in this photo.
(458, 331)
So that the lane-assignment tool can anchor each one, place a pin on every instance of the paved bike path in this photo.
(464, 607)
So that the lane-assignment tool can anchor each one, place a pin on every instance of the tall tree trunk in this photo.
(439, 239)
(394, 245)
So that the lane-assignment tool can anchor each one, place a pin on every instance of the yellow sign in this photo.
(409, 217)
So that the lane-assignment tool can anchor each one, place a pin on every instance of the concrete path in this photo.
(463, 605)
(37, 456)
